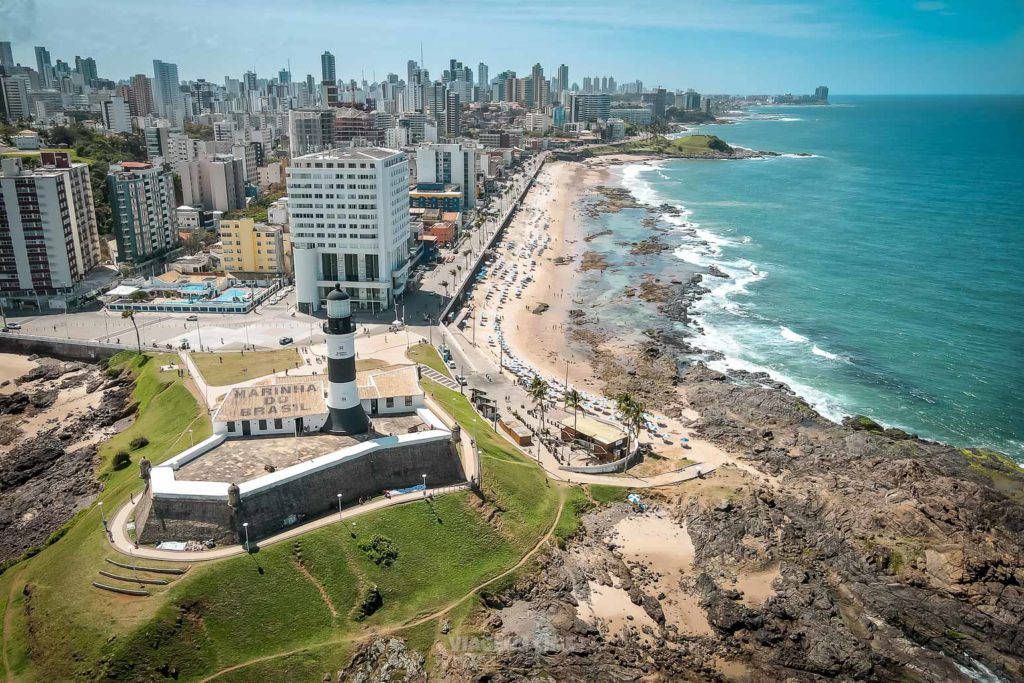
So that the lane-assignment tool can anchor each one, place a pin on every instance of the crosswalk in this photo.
(443, 380)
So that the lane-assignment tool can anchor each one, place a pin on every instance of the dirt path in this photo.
(323, 591)
(415, 622)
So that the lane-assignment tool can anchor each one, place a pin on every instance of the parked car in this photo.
(460, 379)
(192, 318)
(14, 326)
(451, 364)
(284, 341)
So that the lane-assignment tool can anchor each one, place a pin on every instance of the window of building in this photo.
(231, 426)
(277, 423)
(263, 425)
(408, 400)
(389, 402)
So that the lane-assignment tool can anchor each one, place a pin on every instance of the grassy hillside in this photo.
(689, 147)
(291, 610)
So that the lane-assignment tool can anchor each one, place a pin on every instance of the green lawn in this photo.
(222, 369)
(608, 494)
(687, 146)
(425, 354)
(231, 611)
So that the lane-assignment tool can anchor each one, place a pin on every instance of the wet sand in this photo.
(13, 366)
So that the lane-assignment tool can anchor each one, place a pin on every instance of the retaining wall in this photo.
(54, 347)
(307, 497)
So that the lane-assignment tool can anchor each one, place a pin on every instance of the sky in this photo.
(740, 46)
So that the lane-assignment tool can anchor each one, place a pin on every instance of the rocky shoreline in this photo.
(890, 557)
(50, 426)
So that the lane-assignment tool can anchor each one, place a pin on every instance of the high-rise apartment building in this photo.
(452, 115)
(117, 115)
(483, 79)
(327, 70)
(563, 79)
(6, 55)
(587, 107)
(87, 68)
(214, 183)
(821, 93)
(349, 215)
(166, 92)
(143, 210)
(310, 130)
(44, 67)
(49, 239)
(15, 97)
(142, 95)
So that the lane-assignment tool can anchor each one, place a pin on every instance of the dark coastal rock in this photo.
(14, 403)
(715, 271)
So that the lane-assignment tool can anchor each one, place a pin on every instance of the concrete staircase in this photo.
(132, 579)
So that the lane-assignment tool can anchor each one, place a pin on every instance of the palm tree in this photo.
(130, 314)
(538, 391)
(631, 412)
(573, 400)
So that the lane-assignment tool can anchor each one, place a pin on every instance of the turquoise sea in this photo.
(883, 274)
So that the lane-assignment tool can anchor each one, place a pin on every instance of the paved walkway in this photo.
(120, 541)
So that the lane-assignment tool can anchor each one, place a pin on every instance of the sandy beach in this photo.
(546, 243)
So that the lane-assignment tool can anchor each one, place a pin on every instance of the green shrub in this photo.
(121, 460)
(380, 549)
(139, 442)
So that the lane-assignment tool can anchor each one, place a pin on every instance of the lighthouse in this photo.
(346, 412)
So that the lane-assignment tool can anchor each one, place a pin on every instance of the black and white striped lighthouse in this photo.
(346, 412)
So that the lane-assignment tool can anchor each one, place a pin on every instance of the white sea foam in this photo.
(737, 356)
(823, 353)
(792, 336)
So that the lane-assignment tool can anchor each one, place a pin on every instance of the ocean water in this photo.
(883, 274)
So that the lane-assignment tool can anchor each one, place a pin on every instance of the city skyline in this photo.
(905, 48)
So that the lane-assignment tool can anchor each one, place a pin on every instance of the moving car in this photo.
(192, 318)
(284, 341)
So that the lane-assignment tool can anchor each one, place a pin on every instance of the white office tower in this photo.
(349, 215)
(346, 414)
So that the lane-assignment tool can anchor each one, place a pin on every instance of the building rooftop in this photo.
(351, 154)
(598, 430)
(389, 382)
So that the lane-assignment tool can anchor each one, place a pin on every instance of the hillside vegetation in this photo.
(290, 611)
(688, 147)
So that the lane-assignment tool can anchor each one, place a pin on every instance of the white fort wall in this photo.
(197, 510)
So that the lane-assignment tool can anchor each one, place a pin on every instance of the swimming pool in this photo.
(232, 293)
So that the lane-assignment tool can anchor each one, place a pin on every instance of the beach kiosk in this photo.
(604, 439)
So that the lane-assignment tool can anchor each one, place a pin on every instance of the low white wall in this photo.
(164, 485)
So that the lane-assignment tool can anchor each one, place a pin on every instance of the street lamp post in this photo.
(192, 437)
(103, 516)
(424, 486)
(199, 332)
(245, 527)
(339, 504)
